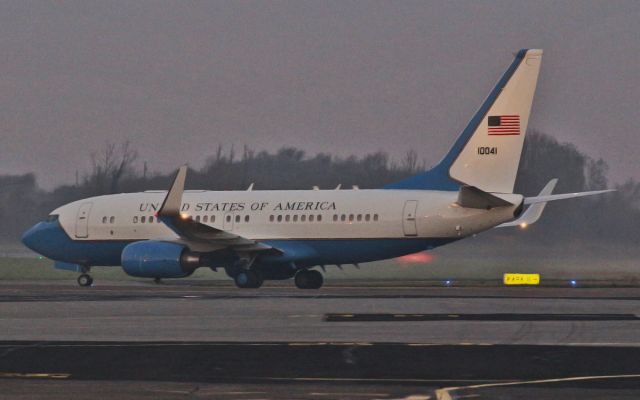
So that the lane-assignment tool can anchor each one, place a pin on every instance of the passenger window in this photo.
(359, 217)
(246, 218)
(375, 217)
(319, 218)
(197, 218)
(205, 218)
(295, 218)
(237, 218)
(286, 218)
(104, 220)
(311, 218)
(303, 218)
(343, 218)
(112, 220)
(279, 218)
(350, 217)
(335, 217)
(367, 217)
(213, 218)
(150, 220)
(143, 219)
(135, 219)
(271, 218)
(228, 218)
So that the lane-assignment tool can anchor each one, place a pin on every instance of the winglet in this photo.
(172, 203)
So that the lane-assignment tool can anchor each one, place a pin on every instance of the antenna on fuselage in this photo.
(250, 188)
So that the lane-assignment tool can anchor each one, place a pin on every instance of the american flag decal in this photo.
(504, 125)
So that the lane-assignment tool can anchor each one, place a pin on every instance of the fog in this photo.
(177, 79)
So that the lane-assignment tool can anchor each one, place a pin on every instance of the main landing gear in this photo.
(248, 279)
(308, 279)
(85, 280)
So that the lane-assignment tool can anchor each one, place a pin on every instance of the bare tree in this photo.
(410, 161)
(109, 165)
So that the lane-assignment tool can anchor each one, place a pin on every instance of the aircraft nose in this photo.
(32, 237)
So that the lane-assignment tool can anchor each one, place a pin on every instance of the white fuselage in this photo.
(273, 215)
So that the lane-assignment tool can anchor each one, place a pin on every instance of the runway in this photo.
(199, 340)
(357, 313)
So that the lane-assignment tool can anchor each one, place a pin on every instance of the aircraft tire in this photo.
(308, 279)
(85, 280)
(248, 279)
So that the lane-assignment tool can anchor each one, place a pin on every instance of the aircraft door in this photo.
(227, 223)
(409, 218)
(82, 220)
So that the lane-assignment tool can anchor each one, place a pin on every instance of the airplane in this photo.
(259, 235)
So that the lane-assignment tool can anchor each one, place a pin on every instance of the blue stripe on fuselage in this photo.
(347, 251)
(50, 240)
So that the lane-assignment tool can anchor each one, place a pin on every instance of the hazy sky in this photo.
(176, 78)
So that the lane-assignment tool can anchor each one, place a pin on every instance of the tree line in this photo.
(116, 168)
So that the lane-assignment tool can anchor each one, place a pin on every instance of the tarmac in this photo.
(195, 339)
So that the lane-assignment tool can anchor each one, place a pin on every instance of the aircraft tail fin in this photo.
(487, 153)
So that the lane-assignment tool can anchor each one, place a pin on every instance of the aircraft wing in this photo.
(199, 236)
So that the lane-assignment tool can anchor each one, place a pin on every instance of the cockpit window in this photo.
(52, 218)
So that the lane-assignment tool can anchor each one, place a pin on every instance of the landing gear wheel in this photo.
(248, 280)
(85, 280)
(309, 279)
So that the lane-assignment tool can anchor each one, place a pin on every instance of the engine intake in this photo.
(156, 259)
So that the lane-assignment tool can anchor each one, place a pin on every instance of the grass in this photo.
(445, 265)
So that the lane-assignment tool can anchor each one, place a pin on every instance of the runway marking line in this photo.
(351, 394)
(34, 375)
(336, 344)
(446, 393)
(240, 392)
(387, 380)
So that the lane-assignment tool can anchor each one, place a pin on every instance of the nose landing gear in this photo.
(308, 279)
(85, 280)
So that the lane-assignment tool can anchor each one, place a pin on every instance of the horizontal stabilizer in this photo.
(537, 204)
(553, 197)
(534, 212)
(472, 197)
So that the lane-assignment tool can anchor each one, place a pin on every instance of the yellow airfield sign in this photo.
(521, 279)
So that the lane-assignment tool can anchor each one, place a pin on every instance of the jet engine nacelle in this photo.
(156, 259)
